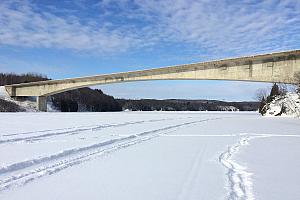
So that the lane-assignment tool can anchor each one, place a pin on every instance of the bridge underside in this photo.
(276, 67)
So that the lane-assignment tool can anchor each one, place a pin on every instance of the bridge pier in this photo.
(41, 102)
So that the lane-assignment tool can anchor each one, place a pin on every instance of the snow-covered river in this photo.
(149, 156)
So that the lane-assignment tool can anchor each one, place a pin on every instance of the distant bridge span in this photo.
(278, 67)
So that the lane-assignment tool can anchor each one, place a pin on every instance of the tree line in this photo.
(185, 105)
(11, 78)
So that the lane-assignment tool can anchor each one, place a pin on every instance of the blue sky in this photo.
(65, 38)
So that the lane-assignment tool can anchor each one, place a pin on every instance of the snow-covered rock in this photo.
(285, 105)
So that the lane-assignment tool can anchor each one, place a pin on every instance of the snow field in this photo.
(146, 155)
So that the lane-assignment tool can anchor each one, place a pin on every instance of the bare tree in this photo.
(261, 94)
(283, 89)
(297, 80)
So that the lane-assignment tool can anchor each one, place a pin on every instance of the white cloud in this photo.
(218, 27)
(24, 25)
(237, 27)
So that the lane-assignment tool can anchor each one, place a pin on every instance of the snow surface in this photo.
(148, 155)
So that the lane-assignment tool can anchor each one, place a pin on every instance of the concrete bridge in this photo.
(278, 67)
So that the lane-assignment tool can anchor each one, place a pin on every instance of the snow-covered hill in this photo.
(284, 105)
(27, 105)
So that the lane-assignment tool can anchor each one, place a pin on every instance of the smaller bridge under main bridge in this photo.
(278, 67)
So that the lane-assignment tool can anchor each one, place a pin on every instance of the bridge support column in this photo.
(41, 103)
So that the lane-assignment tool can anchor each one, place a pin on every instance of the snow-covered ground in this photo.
(149, 155)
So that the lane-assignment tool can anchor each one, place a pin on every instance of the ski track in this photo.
(70, 131)
(192, 176)
(31, 170)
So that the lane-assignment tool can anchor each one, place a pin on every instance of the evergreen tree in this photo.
(275, 90)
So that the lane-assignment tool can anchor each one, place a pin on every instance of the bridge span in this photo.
(279, 67)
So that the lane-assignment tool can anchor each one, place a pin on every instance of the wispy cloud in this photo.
(23, 24)
(225, 26)
(216, 27)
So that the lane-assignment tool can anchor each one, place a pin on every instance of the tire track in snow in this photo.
(193, 176)
(54, 163)
(92, 126)
(70, 131)
(56, 166)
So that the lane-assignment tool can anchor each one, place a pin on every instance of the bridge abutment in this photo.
(41, 102)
